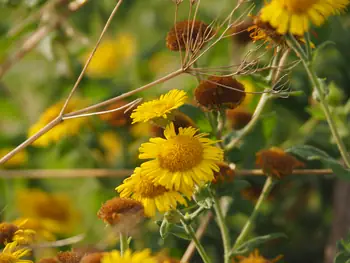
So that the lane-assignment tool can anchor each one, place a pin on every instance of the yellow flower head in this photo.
(112, 146)
(66, 128)
(153, 197)
(43, 229)
(17, 160)
(255, 257)
(160, 108)
(12, 254)
(180, 160)
(55, 209)
(111, 55)
(294, 16)
(114, 256)
(11, 232)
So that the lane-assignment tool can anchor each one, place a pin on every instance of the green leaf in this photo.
(320, 49)
(342, 257)
(167, 228)
(255, 242)
(311, 153)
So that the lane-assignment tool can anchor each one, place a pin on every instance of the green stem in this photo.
(124, 244)
(248, 226)
(318, 86)
(257, 113)
(223, 229)
(189, 230)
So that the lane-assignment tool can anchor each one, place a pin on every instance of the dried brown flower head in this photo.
(264, 31)
(240, 33)
(188, 35)
(219, 92)
(116, 210)
(225, 174)
(118, 118)
(7, 231)
(48, 260)
(69, 257)
(180, 120)
(92, 258)
(276, 162)
(238, 118)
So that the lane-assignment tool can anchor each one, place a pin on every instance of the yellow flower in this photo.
(153, 197)
(43, 229)
(17, 160)
(12, 254)
(294, 16)
(111, 55)
(180, 160)
(160, 108)
(111, 145)
(66, 128)
(55, 210)
(114, 256)
(255, 257)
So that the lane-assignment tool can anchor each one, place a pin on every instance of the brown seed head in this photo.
(118, 118)
(7, 232)
(92, 258)
(225, 174)
(69, 257)
(116, 209)
(188, 35)
(240, 32)
(48, 260)
(276, 162)
(238, 118)
(219, 92)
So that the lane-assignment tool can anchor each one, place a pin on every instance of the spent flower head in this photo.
(276, 162)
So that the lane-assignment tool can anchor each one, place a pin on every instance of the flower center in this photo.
(298, 6)
(7, 258)
(180, 153)
(148, 190)
(52, 209)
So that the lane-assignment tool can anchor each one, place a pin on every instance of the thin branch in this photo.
(90, 57)
(121, 173)
(126, 107)
(60, 243)
(28, 45)
(199, 233)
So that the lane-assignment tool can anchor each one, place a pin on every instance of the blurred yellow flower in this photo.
(141, 129)
(143, 256)
(255, 257)
(111, 55)
(55, 210)
(17, 160)
(13, 254)
(112, 146)
(43, 229)
(66, 128)
(249, 87)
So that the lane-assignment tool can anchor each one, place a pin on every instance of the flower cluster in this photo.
(176, 163)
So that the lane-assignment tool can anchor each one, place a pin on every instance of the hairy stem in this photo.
(189, 230)
(248, 226)
(124, 244)
(223, 229)
(257, 113)
(317, 85)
